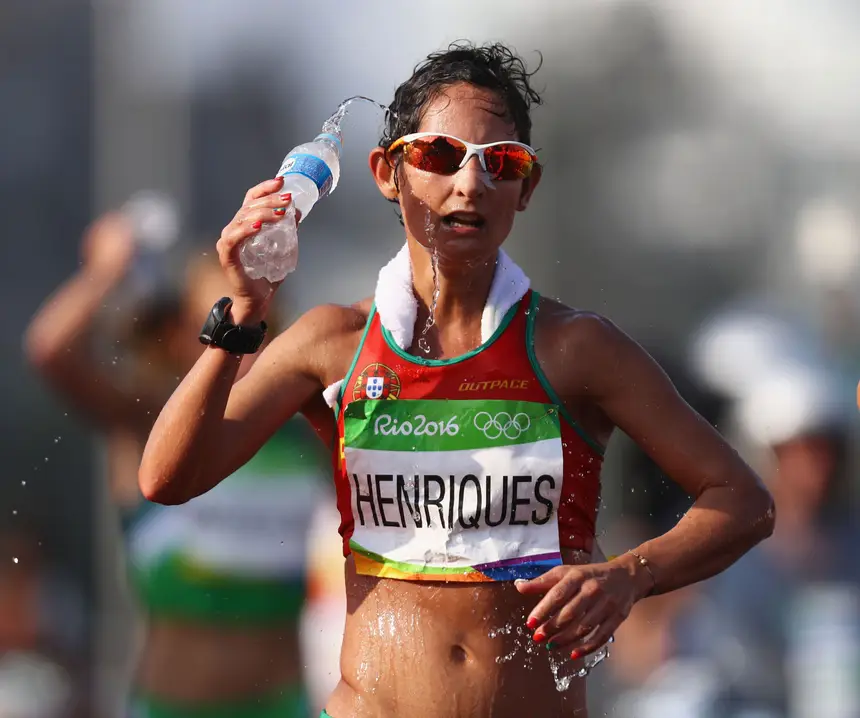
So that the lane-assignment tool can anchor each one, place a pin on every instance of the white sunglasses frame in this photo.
(471, 148)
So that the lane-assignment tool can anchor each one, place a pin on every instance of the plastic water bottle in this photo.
(310, 172)
(155, 225)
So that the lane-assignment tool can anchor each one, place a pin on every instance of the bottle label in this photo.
(311, 167)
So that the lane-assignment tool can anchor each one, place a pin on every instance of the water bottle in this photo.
(155, 225)
(310, 172)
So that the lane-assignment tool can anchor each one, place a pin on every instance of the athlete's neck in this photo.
(463, 291)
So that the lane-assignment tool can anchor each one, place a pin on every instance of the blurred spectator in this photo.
(763, 625)
(778, 634)
(42, 633)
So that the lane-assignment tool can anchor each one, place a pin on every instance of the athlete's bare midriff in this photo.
(186, 663)
(455, 650)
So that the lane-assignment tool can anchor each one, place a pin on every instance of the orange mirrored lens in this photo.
(440, 155)
(508, 162)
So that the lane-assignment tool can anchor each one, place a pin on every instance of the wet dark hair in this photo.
(494, 67)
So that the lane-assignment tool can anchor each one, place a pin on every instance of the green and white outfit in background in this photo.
(234, 556)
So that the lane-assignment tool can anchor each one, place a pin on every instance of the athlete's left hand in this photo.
(583, 605)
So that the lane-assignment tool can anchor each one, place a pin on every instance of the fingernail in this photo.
(279, 178)
(287, 196)
(280, 210)
(539, 636)
(532, 623)
(257, 224)
(574, 655)
(550, 646)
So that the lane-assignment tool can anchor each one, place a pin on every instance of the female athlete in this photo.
(468, 449)
(219, 581)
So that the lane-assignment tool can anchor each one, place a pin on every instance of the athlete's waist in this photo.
(463, 642)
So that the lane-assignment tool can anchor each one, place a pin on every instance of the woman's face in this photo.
(432, 203)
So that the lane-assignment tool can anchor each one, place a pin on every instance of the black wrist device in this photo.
(219, 331)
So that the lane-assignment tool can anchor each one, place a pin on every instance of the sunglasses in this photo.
(444, 155)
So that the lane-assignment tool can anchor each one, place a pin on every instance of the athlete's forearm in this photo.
(63, 324)
(58, 344)
(177, 458)
(722, 525)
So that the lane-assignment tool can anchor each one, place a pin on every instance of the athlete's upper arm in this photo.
(283, 379)
(636, 395)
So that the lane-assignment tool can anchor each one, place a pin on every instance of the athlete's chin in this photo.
(466, 247)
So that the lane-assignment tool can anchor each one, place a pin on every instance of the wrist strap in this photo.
(219, 331)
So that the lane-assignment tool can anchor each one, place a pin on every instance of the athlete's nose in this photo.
(469, 180)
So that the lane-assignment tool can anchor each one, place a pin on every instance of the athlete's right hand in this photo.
(263, 204)
(108, 247)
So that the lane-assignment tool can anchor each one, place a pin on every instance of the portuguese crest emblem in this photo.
(376, 381)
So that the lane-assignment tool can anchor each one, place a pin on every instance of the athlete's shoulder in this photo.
(327, 320)
(578, 337)
(571, 322)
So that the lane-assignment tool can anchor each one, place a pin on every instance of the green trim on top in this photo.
(551, 393)
(354, 361)
(175, 588)
(454, 360)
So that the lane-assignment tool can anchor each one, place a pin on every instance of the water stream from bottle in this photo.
(332, 124)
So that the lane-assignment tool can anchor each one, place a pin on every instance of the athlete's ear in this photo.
(530, 184)
(383, 173)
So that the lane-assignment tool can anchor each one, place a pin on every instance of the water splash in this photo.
(559, 664)
(332, 124)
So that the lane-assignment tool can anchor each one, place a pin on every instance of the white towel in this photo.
(398, 308)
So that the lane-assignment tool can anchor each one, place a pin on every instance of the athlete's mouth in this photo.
(472, 220)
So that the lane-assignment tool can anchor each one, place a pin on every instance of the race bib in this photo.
(454, 490)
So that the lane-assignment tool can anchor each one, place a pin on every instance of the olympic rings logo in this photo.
(493, 427)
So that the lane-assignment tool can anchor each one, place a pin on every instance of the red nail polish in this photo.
(287, 196)
(279, 178)
(574, 655)
(257, 224)
(532, 623)
(280, 210)
(539, 636)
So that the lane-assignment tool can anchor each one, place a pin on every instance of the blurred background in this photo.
(701, 189)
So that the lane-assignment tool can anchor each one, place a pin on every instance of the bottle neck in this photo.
(331, 140)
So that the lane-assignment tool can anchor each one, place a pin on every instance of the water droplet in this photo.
(14, 560)
(23, 483)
